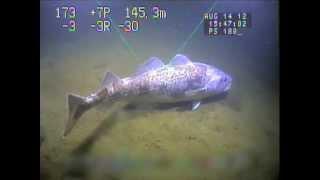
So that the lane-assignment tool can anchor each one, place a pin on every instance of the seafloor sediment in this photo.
(234, 138)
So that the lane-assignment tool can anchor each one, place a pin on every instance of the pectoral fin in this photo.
(194, 92)
(195, 105)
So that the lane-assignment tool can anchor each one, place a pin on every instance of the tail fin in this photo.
(76, 107)
(77, 104)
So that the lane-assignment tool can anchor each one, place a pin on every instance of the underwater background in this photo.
(235, 137)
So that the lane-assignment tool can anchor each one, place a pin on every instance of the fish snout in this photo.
(228, 81)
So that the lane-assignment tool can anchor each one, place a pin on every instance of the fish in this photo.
(154, 82)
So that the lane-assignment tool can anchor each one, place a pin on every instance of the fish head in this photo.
(217, 81)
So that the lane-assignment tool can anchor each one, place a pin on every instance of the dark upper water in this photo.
(232, 137)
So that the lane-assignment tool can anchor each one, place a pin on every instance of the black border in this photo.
(20, 90)
(296, 89)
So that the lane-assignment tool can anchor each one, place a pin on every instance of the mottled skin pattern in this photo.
(171, 84)
(154, 82)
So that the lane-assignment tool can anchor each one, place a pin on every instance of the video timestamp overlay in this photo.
(214, 23)
(159, 89)
(226, 23)
(132, 16)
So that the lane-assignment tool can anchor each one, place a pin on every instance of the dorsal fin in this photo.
(151, 64)
(110, 78)
(180, 59)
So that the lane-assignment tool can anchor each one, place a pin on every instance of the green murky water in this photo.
(233, 138)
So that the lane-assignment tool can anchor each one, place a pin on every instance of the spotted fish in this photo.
(154, 82)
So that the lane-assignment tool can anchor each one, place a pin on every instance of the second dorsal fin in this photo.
(151, 64)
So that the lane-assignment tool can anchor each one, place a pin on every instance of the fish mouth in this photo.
(228, 87)
(229, 83)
